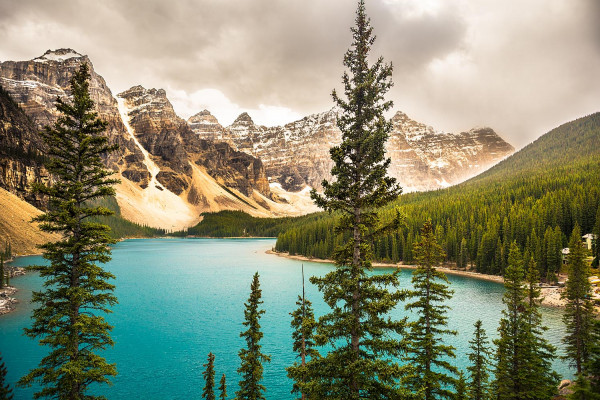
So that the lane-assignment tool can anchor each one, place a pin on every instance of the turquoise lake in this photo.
(179, 299)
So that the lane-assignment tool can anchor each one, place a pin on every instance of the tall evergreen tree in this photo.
(5, 389)
(479, 358)
(462, 390)
(596, 240)
(463, 254)
(208, 392)
(523, 357)
(579, 310)
(76, 292)
(251, 368)
(223, 388)
(361, 363)
(432, 372)
(592, 367)
(510, 376)
(543, 381)
(304, 324)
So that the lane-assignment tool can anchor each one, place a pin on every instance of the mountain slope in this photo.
(16, 227)
(535, 197)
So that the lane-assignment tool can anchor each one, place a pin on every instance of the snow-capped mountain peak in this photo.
(58, 55)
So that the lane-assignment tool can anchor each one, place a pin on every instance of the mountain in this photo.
(425, 159)
(207, 127)
(21, 152)
(534, 197)
(35, 85)
(186, 175)
(169, 176)
(297, 154)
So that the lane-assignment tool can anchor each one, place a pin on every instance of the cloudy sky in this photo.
(519, 66)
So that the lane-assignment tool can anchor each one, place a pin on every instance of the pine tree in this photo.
(463, 254)
(251, 368)
(462, 390)
(480, 362)
(208, 392)
(304, 324)
(583, 389)
(68, 317)
(5, 390)
(524, 358)
(510, 350)
(592, 367)
(223, 388)
(596, 240)
(361, 363)
(432, 371)
(578, 314)
(543, 381)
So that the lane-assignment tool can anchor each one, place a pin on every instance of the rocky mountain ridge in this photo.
(297, 154)
(193, 175)
(21, 152)
(205, 175)
(35, 85)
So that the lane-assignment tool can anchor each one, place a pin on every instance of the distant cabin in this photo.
(565, 253)
(589, 239)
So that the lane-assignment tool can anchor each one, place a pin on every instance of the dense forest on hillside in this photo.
(239, 224)
(534, 197)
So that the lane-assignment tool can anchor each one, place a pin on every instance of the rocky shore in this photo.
(551, 296)
(7, 302)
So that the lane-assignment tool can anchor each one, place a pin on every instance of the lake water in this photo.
(182, 298)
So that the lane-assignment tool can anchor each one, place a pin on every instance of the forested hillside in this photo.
(239, 224)
(534, 197)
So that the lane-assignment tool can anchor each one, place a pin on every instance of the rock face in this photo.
(297, 154)
(36, 84)
(425, 159)
(207, 127)
(174, 146)
(21, 152)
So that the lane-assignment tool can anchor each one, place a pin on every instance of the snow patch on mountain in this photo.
(59, 55)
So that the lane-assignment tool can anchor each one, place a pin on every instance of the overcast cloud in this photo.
(519, 66)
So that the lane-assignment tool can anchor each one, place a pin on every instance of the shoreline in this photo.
(549, 296)
(447, 270)
(7, 303)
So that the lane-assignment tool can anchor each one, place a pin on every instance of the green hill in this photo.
(239, 224)
(534, 197)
